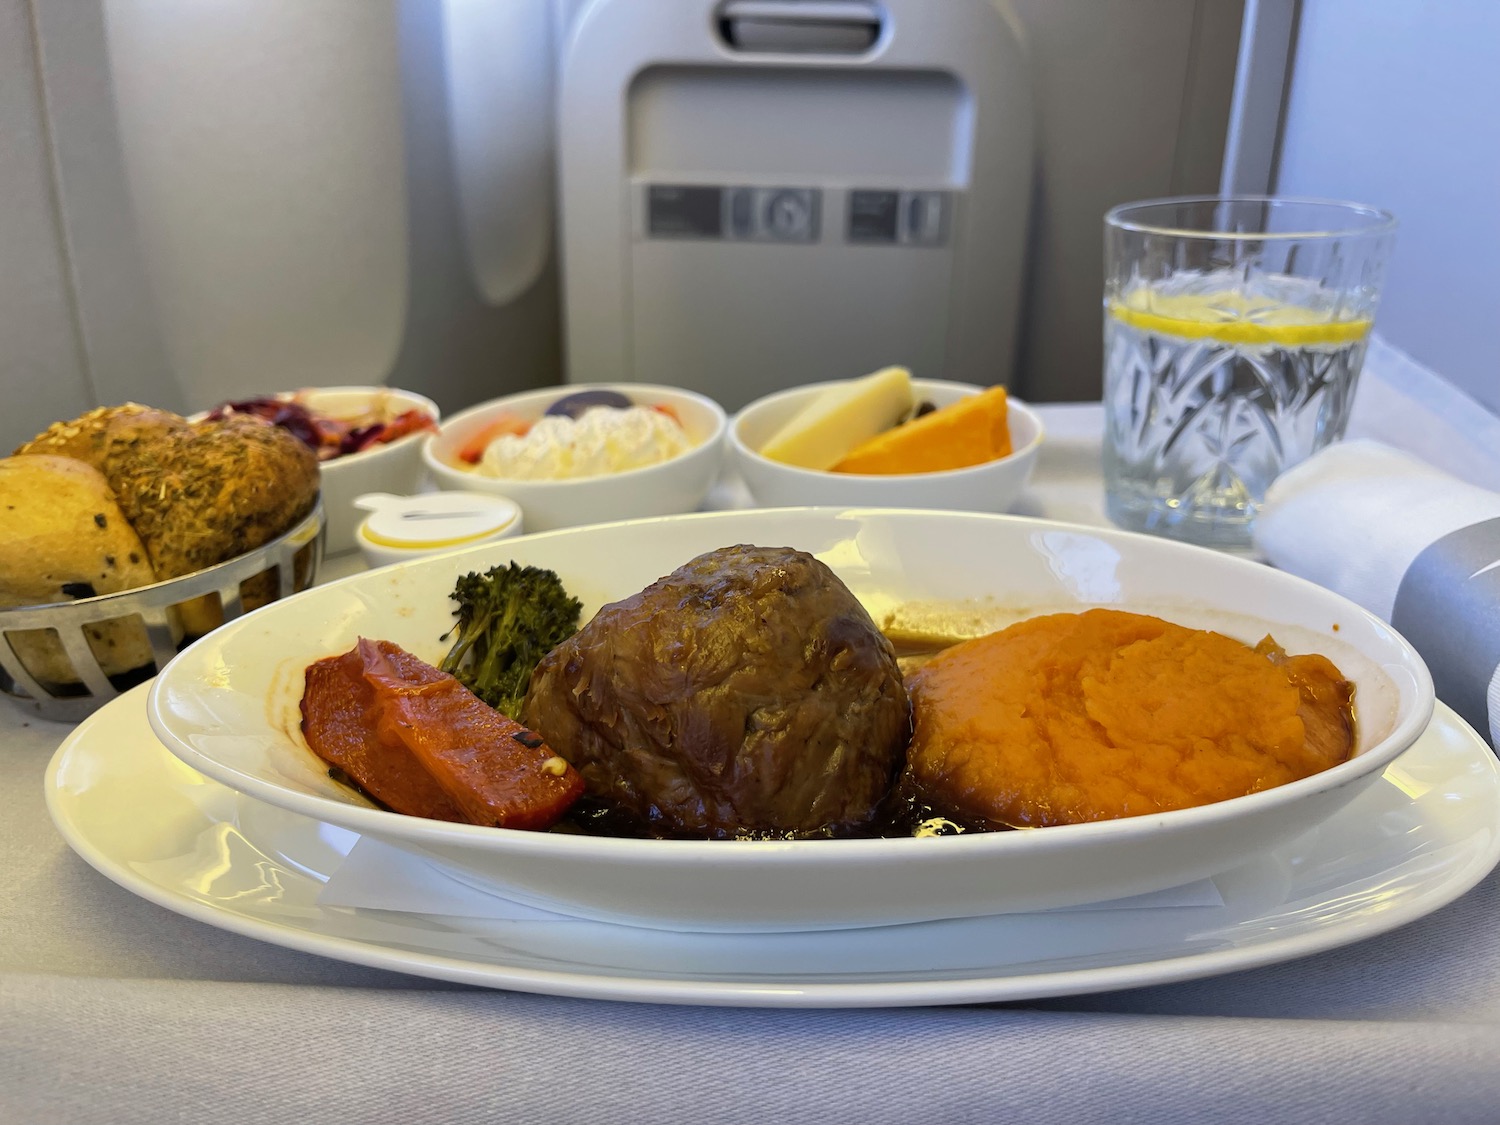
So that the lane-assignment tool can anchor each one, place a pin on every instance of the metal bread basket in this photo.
(156, 613)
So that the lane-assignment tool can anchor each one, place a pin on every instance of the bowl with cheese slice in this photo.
(887, 440)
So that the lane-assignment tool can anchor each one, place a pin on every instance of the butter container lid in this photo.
(436, 520)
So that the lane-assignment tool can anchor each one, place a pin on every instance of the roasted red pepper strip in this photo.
(336, 704)
(421, 743)
(497, 772)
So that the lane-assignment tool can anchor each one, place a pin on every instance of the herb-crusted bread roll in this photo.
(64, 537)
(223, 488)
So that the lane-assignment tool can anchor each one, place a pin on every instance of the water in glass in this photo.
(1210, 394)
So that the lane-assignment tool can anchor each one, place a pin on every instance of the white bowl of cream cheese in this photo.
(657, 460)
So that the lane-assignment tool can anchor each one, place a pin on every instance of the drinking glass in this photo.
(1234, 331)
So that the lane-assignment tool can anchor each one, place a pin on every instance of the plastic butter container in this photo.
(407, 527)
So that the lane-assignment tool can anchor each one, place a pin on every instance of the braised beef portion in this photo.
(746, 693)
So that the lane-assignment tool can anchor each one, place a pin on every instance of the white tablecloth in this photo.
(114, 1010)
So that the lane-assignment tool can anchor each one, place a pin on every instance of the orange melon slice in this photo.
(968, 432)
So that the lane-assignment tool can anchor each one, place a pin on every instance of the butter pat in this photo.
(824, 430)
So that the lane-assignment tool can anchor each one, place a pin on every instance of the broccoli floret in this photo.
(508, 619)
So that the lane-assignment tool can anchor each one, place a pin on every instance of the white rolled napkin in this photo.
(1410, 543)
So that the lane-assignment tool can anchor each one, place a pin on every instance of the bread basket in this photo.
(294, 557)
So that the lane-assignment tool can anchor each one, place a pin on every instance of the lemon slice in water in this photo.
(1233, 318)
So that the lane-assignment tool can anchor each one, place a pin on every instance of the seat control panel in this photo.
(741, 214)
(795, 214)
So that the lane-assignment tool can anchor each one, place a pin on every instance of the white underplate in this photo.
(1414, 841)
(228, 707)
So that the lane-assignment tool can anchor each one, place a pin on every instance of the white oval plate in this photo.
(227, 706)
(1413, 842)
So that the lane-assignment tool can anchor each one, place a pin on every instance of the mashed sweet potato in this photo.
(1070, 717)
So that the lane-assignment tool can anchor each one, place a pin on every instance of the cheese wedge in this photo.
(968, 432)
(840, 418)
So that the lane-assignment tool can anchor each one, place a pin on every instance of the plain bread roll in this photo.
(63, 537)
